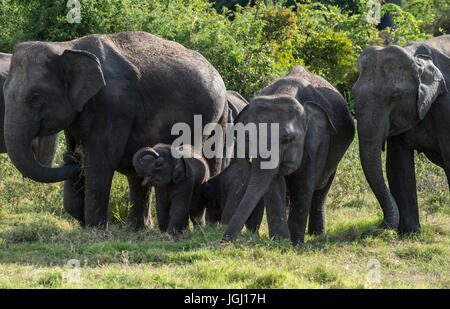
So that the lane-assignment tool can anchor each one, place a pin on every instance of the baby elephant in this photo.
(177, 174)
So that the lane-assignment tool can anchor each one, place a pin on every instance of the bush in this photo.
(250, 45)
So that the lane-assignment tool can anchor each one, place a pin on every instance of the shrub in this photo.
(250, 45)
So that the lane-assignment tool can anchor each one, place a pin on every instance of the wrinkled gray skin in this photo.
(236, 104)
(315, 130)
(44, 147)
(177, 183)
(402, 98)
(112, 94)
(219, 192)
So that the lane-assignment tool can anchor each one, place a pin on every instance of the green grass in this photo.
(38, 239)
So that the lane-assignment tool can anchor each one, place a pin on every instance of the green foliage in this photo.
(433, 16)
(261, 41)
(407, 28)
(46, 20)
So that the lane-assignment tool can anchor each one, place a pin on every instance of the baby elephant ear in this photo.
(432, 84)
(180, 171)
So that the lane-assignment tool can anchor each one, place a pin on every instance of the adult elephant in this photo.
(315, 130)
(402, 98)
(112, 94)
(44, 147)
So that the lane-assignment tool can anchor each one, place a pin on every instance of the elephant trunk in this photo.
(19, 136)
(140, 154)
(44, 148)
(370, 155)
(258, 183)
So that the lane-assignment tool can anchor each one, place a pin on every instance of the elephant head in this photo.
(46, 88)
(394, 92)
(293, 120)
(158, 167)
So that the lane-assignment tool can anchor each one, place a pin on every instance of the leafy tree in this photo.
(261, 42)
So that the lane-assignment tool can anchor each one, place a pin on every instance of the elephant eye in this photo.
(34, 99)
(287, 138)
(158, 163)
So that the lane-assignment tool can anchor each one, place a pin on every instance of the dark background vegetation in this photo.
(250, 42)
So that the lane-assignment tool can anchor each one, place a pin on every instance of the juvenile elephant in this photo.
(219, 192)
(44, 147)
(315, 130)
(177, 180)
(402, 98)
(112, 94)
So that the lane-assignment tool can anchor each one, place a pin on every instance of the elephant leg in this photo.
(275, 201)
(141, 199)
(179, 208)
(301, 190)
(254, 222)
(402, 183)
(441, 120)
(233, 197)
(97, 189)
(162, 209)
(73, 199)
(197, 214)
(316, 223)
(100, 162)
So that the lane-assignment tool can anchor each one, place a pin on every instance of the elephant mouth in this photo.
(147, 181)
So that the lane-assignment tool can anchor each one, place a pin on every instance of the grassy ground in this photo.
(41, 245)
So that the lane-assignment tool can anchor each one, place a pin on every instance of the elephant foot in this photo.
(409, 230)
(299, 245)
(409, 226)
(100, 226)
(227, 239)
(138, 225)
(316, 230)
(388, 225)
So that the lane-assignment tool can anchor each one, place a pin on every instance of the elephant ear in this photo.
(181, 171)
(431, 84)
(83, 76)
(309, 105)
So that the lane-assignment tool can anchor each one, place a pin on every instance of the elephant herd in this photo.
(118, 96)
